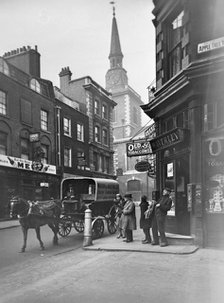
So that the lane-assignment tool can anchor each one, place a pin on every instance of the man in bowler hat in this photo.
(161, 207)
(129, 219)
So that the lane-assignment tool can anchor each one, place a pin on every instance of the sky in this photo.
(77, 33)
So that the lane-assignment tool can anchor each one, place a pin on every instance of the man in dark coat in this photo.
(129, 219)
(161, 207)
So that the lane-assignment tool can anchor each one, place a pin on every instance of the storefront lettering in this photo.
(138, 148)
(171, 138)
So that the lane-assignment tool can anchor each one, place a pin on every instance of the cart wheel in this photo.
(65, 226)
(112, 226)
(97, 229)
(79, 226)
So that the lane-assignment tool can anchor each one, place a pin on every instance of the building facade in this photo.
(126, 121)
(188, 111)
(98, 105)
(27, 129)
(72, 137)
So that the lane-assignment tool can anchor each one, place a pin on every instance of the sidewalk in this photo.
(111, 243)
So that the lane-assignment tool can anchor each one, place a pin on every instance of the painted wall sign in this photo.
(210, 45)
(168, 139)
(138, 148)
(34, 166)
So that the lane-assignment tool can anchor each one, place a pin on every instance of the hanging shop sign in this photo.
(150, 132)
(138, 148)
(24, 164)
(142, 166)
(210, 45)
(168, 139)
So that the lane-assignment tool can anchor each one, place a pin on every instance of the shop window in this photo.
(180, 120)
(25, 149)
(169, 124)
(44, 120)
(3, 143)
(80, 132)
(67, 127)
(26, 111)
(213, 115)
(2, 103)
(67, 157)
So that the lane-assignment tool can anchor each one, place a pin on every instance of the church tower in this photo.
(126, 119)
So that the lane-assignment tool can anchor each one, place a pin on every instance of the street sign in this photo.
(142, 166)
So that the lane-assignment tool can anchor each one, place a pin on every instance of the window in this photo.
(104, 111)
(105, 137)
(81, 162)
(80, 132)
(213, 115)
(3, 143)
(97, 133)
(44, 156)
(26, 111)
(97, 107)
(67, 157)
(67, 127)
(24, 148)
(35, 85)
(175, 51)
(44, 120)
(95, 161)
(4, 67)
(2, 103)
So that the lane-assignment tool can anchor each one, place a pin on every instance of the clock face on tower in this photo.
(115, 78)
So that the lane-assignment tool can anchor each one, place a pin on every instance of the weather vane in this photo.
(112, 3)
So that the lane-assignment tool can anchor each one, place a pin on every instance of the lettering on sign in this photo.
(138, 148)
(210, 45)
(171, 138)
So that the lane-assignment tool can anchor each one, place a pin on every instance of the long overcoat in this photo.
(144, 223)
(129, 218)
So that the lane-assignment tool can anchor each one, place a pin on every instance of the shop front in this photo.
(172, 168)
(214, 189)
(29, 179)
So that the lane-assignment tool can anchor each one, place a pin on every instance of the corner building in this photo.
(188, 110)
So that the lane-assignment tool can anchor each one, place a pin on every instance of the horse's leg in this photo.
(25, 232)
(55, 231)
(39, 238)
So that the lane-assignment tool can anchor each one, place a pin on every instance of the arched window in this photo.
(35, 85)
(4, 67)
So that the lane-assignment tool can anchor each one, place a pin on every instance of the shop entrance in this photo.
(176, 176)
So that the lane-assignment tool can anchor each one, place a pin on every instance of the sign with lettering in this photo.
(142, 166)
(34, 166)
(210, 45)
(138, 148)
(168, 139)
(150, 132)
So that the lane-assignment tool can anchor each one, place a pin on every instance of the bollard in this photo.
(88, 228)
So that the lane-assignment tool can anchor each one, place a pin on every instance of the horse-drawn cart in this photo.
(80, 193)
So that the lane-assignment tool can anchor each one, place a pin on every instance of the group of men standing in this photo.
(153, 216)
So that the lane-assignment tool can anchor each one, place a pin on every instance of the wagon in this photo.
(97, 194)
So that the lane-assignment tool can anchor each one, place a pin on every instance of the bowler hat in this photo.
(128, 195)
(168, 189)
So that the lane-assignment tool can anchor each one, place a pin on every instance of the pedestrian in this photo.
(161, 207)
(129, 219)
(119, 204)
(145, 219)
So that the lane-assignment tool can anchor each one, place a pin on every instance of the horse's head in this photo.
(18, 207)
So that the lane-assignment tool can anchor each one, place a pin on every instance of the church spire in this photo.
(115, 55)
